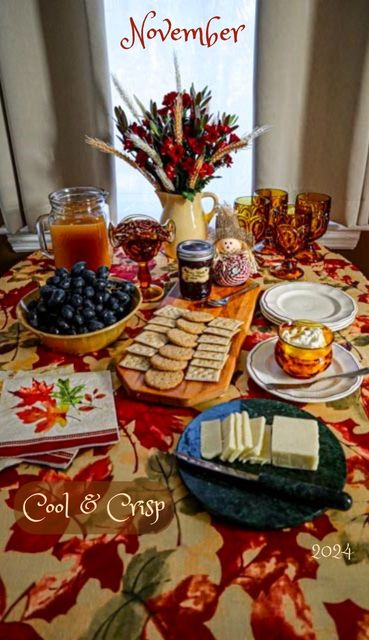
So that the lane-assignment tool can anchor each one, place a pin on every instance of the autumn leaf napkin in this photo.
(51, 412)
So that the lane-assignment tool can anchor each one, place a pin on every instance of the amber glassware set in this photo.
(284, 232)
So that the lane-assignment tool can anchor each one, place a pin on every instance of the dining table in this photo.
(200, 577)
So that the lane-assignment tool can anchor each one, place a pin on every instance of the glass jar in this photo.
(78, 224)
(195, 261)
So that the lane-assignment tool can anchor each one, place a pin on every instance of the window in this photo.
(226, 67)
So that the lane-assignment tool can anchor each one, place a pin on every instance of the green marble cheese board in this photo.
(251, 506)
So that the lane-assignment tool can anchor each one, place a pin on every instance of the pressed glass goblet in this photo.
(141, 237)
(278, 201)
(290, 233)
(318, 205)
(252, 213)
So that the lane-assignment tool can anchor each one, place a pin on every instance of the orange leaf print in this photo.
(38, 392)
(46, 417)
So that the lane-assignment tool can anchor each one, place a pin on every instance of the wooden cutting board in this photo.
(190, 393)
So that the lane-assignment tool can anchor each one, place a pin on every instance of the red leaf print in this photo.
(269, 618)
(154, 424)
(28, 543)
(54, 595)
(351, 620)
(86, 409)
(98, 470)
(346, 430)
(45, 418)
(254, 338)
(17, 631)
(11, 298)
(8, 478)
(38, 392)
(88, 397)
(2, 597)
(99, 396)
(180, 614)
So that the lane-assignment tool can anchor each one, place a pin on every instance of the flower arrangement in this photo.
(178, 146)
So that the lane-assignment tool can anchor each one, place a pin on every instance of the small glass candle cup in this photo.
(302, 361)
(195, 263)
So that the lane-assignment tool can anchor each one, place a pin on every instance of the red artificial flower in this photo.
(174, 151)
(224, 129)
(212, 133)
(188, 165)
(196, 144)
(233, 138)
(227, 160)
(169, 98)
(170, 170)
(186, 100)
(141, 158)
(206, 170)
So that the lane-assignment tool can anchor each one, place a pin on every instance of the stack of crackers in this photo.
(178, 345)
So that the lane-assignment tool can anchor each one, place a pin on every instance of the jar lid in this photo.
(195, 250)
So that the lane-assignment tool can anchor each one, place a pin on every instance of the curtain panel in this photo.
(312, 85)
(55, 89)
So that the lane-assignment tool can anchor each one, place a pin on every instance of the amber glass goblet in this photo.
(141, 237)
(318, 205)
(252, 213)
(278, 201)
(290, 233)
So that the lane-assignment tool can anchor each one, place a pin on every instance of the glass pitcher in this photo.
(78, 225)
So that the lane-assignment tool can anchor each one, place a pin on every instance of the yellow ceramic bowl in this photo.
(301, 361)
(85, 342)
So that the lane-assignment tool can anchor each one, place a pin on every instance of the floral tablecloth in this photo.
(199, 578)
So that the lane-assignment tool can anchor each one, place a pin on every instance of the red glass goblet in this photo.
(141, 237)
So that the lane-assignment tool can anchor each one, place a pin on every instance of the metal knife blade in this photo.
(294, 490)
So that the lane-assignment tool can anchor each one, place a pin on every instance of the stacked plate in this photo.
(308, 301)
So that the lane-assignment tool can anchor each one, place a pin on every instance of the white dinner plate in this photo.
(309, 301)
(263, 368)
(333, 326)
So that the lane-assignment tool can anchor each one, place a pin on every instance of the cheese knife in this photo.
(294, 490)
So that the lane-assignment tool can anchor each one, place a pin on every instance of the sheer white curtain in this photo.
(226, 67)
(55, 89)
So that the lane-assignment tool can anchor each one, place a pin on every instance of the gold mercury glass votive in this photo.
(303, 361)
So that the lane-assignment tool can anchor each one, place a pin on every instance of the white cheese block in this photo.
(295, 443)
(238, 438)
(265, 456)
(211, 439)
(257, 427)
(228, 436)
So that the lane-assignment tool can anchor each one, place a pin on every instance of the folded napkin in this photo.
(42, 413)
(55, 459)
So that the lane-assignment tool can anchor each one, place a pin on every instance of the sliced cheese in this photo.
(238, 438)
(228, 436)
(257, 428)
(295, 443)
(247, 435)
(265, 456)
(211, 439)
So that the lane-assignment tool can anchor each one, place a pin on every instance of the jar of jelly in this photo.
(195, 260)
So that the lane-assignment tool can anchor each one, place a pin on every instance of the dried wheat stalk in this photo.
(177, 73)
(166, 182)
(144, 146)
(125, 97)
(241, 144)
(195, 175)
(107, 148)
(178, 113)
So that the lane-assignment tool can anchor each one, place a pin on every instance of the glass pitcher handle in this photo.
(40, 228)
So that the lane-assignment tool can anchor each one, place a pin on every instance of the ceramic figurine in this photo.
(234, 262)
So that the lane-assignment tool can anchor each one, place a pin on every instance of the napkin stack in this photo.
(45, 418)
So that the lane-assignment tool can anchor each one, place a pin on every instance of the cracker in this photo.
(151, 339)
(221, 348)
(162, 320)
(202, 374)
(226, 323)
(190, 327)
(141, 349)
(199, 316)
(210, 339)
(167, 364)
(157, 328)
(217, 331)
(163, 380)
(170, 312)
(181, 338)
(209, 355)
(131, 361)
(208, 364)
(176, 353)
